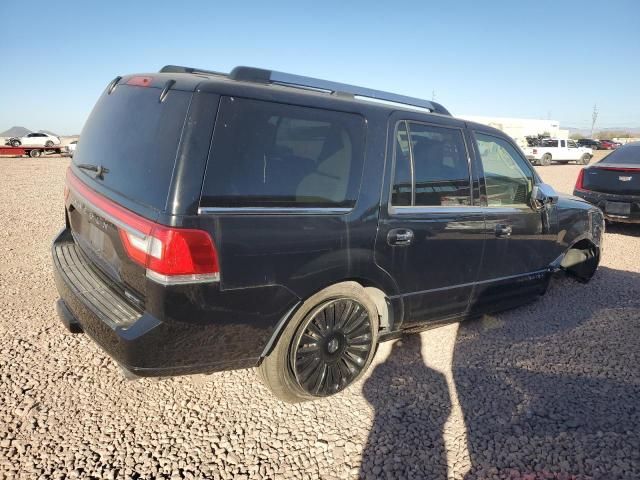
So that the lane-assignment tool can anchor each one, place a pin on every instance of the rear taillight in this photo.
(169, 255)
(580, 181)
(535, 151)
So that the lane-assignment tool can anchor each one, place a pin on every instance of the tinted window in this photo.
(571, 144)
(136, 137)
(433, 162)
(402, 184)
(628, 154)
(267, 154)
(441, 168)
(508, 179)
(550, 143)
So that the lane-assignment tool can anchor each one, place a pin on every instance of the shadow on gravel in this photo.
(554, 390)
(630, 229)
(411, 404)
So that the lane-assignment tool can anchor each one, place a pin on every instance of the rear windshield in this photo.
(135, 136)
(268, 154)
(628, 155)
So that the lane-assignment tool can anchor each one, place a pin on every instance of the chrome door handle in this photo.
(503, 231)
(400, 237)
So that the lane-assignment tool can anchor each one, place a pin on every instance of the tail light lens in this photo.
(535, 151)
(169, 255)
(580, 181)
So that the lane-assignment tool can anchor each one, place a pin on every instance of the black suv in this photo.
(262, 219)
(589, 143)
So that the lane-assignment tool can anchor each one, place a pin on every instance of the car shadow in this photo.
(553, 390)
(547, 390)
(411, 403)
(629, 229)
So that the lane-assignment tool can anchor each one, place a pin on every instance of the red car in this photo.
(608, 145)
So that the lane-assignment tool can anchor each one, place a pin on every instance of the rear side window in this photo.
(433, 162)
(135, 137)
(268, 154)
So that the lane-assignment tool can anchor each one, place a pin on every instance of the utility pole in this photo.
(594, 117)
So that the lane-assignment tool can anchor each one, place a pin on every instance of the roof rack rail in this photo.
(260, 75)
(179, 69)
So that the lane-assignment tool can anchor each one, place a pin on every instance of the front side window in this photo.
(267, 154)
(432, 166)
(571, 144)
(508, 180)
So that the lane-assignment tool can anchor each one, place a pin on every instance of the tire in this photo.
(298, 370)
(584, 159)
(48, 144)
(546, 159)
(34, 153)
(15, 143)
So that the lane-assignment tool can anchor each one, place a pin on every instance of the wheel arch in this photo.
(581, 259)
(390, 309)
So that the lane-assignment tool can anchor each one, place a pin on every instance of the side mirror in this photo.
(542, 195)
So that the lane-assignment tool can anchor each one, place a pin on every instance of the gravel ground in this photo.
(550, 390)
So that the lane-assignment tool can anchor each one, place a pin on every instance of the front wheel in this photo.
(585, 159)
(546, 159)
(48, 144)
(15, 143)
(326, 346)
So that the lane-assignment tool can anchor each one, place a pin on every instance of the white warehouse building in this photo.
(519, 128)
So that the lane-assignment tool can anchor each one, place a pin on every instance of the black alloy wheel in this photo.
(331, 347)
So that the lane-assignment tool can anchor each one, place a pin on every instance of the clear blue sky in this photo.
(497, 58)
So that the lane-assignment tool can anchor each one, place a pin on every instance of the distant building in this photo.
(520, 128)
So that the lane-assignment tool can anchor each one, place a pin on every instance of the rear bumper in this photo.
(140, 342)
(600, 200)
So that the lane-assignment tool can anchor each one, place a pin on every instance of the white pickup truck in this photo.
(556, 150)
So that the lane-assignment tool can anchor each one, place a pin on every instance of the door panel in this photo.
(436, 264)
(520, 241)
(437, 270)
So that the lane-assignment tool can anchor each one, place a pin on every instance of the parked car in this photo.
(35, 140)
(608, 145)
(588, 143)
(71, 148)
(263, 219)
(613, 184)
(558, 150)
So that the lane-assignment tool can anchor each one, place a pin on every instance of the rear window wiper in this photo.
(99, 169)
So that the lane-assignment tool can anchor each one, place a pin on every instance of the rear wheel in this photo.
(546, 159)
(15, 143)
(585, 159)
(34, 153)
(326, 346)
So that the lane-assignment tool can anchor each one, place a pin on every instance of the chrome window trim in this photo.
(275, 210)
(443, 210)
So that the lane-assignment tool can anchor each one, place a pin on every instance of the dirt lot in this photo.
(550, 390)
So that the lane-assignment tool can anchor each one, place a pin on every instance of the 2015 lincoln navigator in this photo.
(262, 219)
